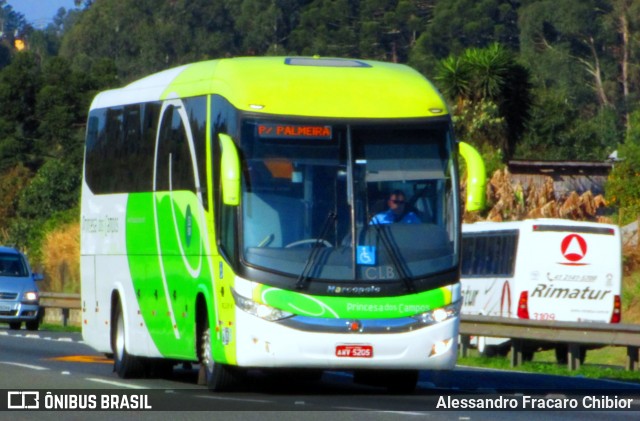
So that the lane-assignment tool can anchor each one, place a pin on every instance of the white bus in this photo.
(541, 269)
(225, 221)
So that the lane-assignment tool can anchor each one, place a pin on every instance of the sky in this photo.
(39, 12)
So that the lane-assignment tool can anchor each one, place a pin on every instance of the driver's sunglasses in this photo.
(398, 202)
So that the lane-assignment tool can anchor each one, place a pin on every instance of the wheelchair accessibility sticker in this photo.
(366, 255)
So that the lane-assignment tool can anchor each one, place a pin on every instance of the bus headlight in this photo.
(440, 314)
(262, 311)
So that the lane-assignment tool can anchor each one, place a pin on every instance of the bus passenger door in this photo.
(180, 228)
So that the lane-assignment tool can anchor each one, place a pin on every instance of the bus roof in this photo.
(296, 86)
(483, 226)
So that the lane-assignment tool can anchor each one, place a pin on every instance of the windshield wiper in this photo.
(396, 259)
(315, 250)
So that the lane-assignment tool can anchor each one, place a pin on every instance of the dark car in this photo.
(19, 296)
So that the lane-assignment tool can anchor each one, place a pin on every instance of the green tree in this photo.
(491, 94)
(43, 107)
(327, 28)
(52, 194)
(577, 54)
(61, 106)
(143, 36)
(456, 25)
(623, 184)
(624, 21)
(549, 129)
(388, 29)
(263, 28)
(566, 44)
(12, 182)
(53, 189)
(19, 85)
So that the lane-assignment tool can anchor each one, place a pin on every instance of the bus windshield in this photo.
(349, 202)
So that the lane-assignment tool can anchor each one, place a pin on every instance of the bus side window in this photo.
(482, 248)
(467, 256)
(174, 166)
(491, 254)
(495, 256)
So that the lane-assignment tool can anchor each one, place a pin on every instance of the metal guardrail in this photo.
(62, 301)
(574, 334)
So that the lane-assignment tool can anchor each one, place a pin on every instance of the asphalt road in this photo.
(61, 364)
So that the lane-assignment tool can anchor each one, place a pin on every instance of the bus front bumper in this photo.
(260, 343)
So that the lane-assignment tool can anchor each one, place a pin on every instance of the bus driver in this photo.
(397, 211)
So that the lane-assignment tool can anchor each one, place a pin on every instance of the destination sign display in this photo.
(293, 131)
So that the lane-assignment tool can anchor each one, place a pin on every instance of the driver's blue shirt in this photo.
(389, 217)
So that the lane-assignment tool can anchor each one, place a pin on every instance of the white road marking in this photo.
(234, 399)
(403, 412)
(119, 384)
(32, 367)
(37, 336)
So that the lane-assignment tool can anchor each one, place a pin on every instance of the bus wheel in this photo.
(486, 350)
(402, 381)
(396, 381)
(125, 365)
(562, 354)
(527, 355)
(490, 351)
(218, 377)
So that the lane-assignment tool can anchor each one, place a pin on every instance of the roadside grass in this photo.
(605, 363)
(59, 328)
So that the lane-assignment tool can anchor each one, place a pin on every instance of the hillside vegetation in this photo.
(540, 79)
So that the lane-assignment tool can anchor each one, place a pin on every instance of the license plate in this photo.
(354, 351)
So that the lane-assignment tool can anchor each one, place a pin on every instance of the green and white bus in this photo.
(226, 220)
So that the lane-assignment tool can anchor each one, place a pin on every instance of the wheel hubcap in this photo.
(207, 358)
(120, 338)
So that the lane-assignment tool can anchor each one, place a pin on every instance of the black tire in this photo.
(527, 355)
(402, 381)
(562, 354)
(33, 324)
(218, 377)
(125, 365)
(309, 375)
(488, 351)
(503, 350)
(293, 377)
(395, 381)
(160, 368)
(15, 325)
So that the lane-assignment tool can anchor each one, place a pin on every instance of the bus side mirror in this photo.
(229, 171)
(476, 177)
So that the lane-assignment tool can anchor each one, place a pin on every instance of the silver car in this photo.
(19, 296)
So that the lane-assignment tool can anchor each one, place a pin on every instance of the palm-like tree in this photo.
(487, 80)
